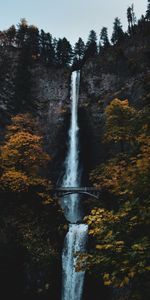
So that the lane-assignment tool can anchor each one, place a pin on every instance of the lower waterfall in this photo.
(76, 238)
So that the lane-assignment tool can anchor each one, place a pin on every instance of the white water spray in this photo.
(76, 237)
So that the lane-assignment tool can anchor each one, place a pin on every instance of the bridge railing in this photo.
(80, 189)
(64, 191)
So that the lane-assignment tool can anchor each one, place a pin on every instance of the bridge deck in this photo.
(89, 191)
(76, 189)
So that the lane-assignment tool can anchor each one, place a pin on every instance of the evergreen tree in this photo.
(79, 49)
(22, 97)
(131, 17)
(47, 48)
(32, 42)
(21, 33)
(64, 52)
(50, 50)
(104, 37)
(91, 46)
(3, 40)
(148, 11)
(118, 33)
(11, 34)
(43, 45)
(78, 53)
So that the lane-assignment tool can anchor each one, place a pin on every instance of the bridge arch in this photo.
(65, 191)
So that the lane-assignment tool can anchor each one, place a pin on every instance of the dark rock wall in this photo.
(122, 73)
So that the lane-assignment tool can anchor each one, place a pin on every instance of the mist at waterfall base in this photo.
(76, 238)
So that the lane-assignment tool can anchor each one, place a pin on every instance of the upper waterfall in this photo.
(76, 238)
(72, 168)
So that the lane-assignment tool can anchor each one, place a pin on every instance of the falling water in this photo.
(76, 237)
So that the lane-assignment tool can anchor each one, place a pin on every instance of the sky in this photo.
(69, 18)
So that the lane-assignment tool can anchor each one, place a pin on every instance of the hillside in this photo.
(114, 135)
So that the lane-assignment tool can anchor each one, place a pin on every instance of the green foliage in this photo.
(104, 37)
(79, 49)
(147, 16)
(11, 34)
(78, 53)
(91, 45)
(118, 33)
(47, 48)
(63, 52)
(131, 18)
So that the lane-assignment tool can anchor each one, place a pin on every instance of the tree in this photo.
(119, 253)
(43, 45)
(118, 33)
(47, 48)
(32, 42)
(50, 50)
(131, 17)
(28, 41)
(119, 237)
(78, 53)
(79, 49)
(147, 16)
(3, 39)
(91, 45)
(11, 34)
(63, 52)
(21, 101)
(22, 156)
(22, 33)
(120, 118)
(104, 37)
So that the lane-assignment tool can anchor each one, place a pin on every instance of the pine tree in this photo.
(32, 42)
(50, 50)
(131, 18)
(11, 34)
(78, 53)
(148, 11)
(79, 49)
(91, 46)
(104, 37)
(21, 33)
(43, 45)
(64, 52)
(22, 97)
(118, 33)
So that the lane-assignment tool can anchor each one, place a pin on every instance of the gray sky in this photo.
(69, 18)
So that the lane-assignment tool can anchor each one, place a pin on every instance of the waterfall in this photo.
(72, 281)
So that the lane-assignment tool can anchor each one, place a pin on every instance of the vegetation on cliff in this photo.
(120, 239)
(31, 221)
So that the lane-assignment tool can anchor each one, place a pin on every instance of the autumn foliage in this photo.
(120, 236)
(22, 156)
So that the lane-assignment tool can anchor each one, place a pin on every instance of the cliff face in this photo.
(50, 88)
(119, 72)
(50, 92)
